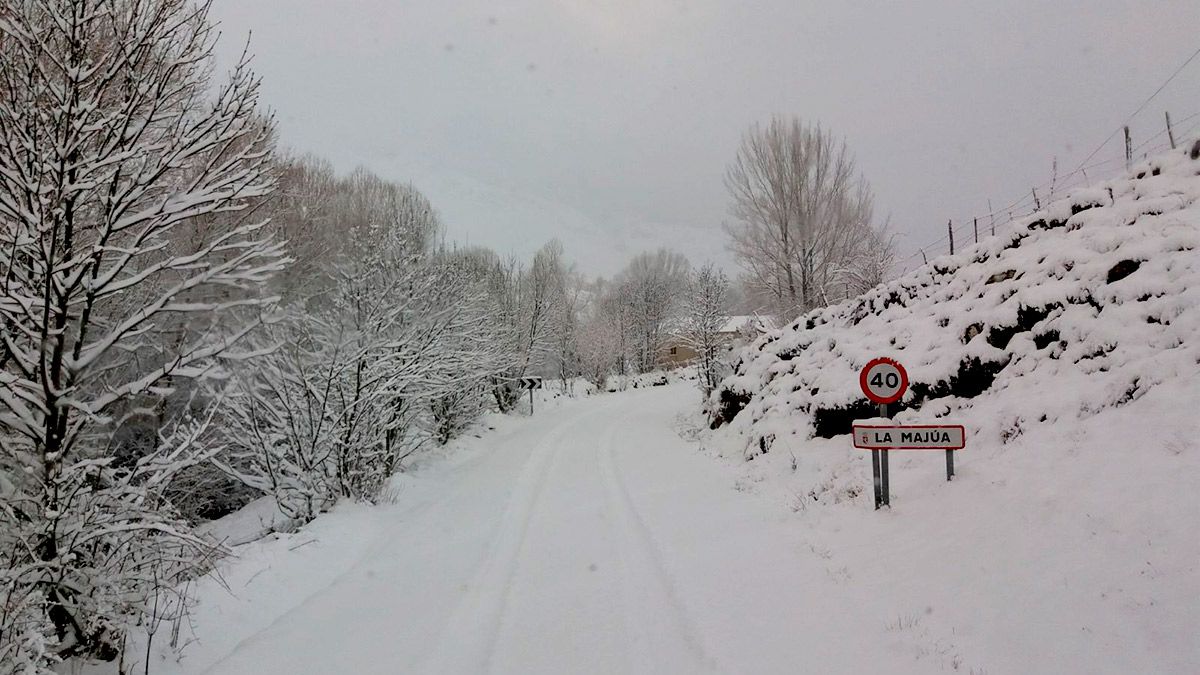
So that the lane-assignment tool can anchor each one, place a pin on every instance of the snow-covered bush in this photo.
(453, 412)
(344, 389)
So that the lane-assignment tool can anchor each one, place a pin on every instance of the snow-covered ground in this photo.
(591, 539)
(1070, 549)
(594, 537)
(615, 533)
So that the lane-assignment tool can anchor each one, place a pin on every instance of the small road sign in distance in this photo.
(530, 382)
(910, 437)
(883, 381)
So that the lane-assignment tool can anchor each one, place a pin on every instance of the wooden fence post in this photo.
(1128, 149)
(950, 229)
(1170, 131)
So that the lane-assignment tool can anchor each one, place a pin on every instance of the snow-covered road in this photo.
(591, 538)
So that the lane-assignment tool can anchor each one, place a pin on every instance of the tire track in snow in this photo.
(468, 639)
(383, 539)
(661, 635)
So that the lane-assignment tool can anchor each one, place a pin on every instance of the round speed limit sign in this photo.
(883, 380)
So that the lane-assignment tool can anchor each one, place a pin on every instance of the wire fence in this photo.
(974, 227)
(968, 230)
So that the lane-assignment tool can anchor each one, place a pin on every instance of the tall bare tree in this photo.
(801, 207)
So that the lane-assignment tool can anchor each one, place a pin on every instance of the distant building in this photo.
(737, 331)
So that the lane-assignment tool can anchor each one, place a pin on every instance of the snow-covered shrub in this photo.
(336, 408)
(453, 412)
(26, 647)
(341, 394)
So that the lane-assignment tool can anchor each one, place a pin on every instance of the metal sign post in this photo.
(530, 383)
(883, 463)
(878, 482)
(883, 381)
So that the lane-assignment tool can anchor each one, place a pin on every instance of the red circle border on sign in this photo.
(862, 380)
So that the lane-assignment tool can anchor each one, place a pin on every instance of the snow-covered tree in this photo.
(527, 309)
(542, 294)
(704, 316)
(599, 349)
(801, 211)
(614, 307)
(650, 288)
(130, 261)
(399, 331)
(872, 263)
(573, 299)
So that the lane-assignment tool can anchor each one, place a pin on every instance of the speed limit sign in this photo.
(883, 380)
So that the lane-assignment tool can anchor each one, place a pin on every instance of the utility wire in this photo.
(1141, 107)
(1083, 166)
(937, 246)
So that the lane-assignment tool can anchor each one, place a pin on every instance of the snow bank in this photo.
(1083, 306)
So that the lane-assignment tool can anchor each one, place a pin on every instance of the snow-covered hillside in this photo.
(1069, 349)
(1083, 306)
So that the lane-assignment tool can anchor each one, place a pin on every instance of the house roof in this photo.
(744, 323)
(755, 322)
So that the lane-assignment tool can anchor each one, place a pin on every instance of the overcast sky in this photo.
(609, 124)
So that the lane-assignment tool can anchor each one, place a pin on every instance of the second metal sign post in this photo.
(883, 381)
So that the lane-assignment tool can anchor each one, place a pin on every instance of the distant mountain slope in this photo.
(1083, 306)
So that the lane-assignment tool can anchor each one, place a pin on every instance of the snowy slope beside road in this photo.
(1080, 307)
(1067, 346)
